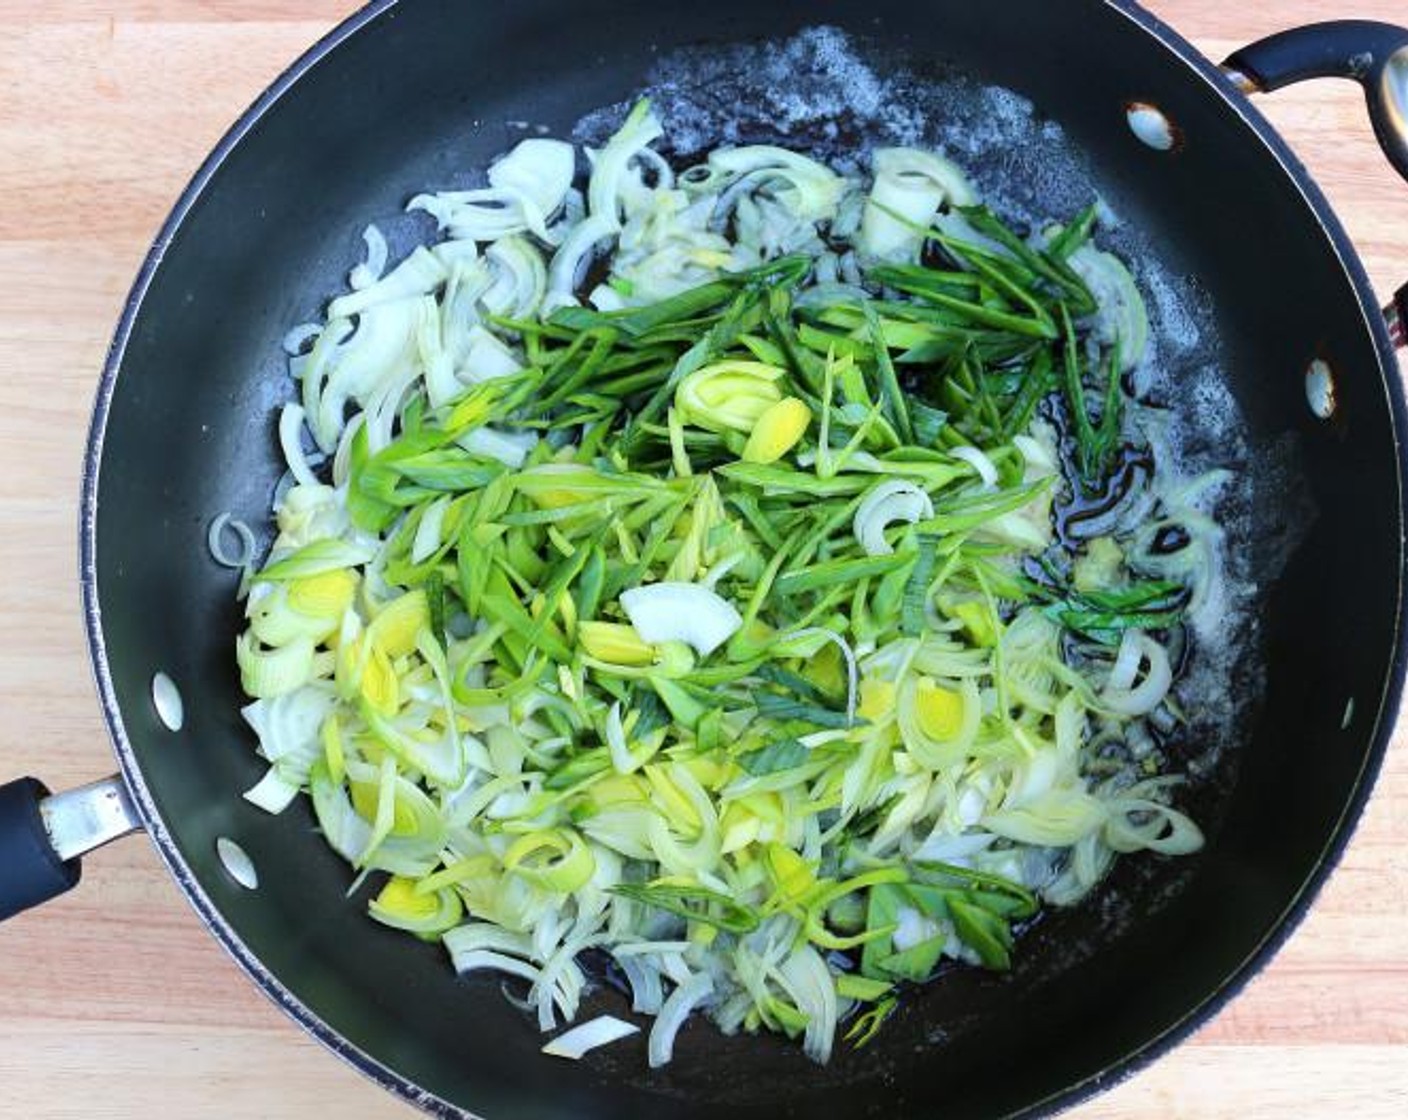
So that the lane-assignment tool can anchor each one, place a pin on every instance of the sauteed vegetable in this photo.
(674, 583)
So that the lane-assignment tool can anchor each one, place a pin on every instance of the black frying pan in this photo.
(183, 429)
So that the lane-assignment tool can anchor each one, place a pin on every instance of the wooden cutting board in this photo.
(114, 1002)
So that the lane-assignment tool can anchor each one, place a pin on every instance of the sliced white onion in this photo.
(272, 793)
(509, 448)
(647, 993)
(569, 263)
(520, 278)
(813, 990)
(606, 298)
(368, 366)
(1037, 454)
(673, 968)
(675, 1011)
(979, 461)
(1162, 829)
(801, 186)
(601, 1031)
(1144, 697)
(640, 129)
(417, 275)
(909, 187)
(1151, 126)
(370, 270)
(1127, 661)
(215, 541)
(912, 928)
(527, 187)
(1122, 316)
(972, 804)
(475, 959)
(291, 440)
(288, 727)
(474, 936)
(460, 258)
(342, 458)
(540, 173)
(297, 338)
(887, 502)
(681, 612)
(560, 983)
(486, 357)
(954, 849)
(478, 215)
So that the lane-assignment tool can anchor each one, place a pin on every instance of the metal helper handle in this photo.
(1373, 54)
(43, 836)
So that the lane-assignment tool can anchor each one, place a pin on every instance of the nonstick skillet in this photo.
(360, 122)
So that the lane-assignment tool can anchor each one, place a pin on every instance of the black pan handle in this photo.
(1373, 54)
(42, 836)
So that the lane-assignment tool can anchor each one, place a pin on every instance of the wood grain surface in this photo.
(114, 1002)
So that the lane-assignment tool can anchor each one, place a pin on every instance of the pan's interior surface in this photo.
(422, 93)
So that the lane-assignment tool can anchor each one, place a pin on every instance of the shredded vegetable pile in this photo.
(672, 583)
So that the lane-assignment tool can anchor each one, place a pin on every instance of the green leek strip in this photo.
(916, 588)
(806, 367)
(889, 383)
(829, 342)
(475, 867)
(965, 514)
(328, 555)
(1051, 267)
(499, 603)
(1109, 428)
(598, 343)
(783, 754)
(780, 707)
(567, 570)
(740, 647)
(1036, 327)
(747, 504)
(868, 1025)
(718, 338)
(1074, 233)
(1036, 384)
(984, 932)
(1086, 440)
(837, 520)
(850, 986)
(832, 572)
(942, 874)
(697, 904)
(774, 480)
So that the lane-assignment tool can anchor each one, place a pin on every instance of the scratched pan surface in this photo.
(388, 105)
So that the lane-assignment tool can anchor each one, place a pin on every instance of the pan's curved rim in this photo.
(208, 912)
(1384, 718)
(1201, 69)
